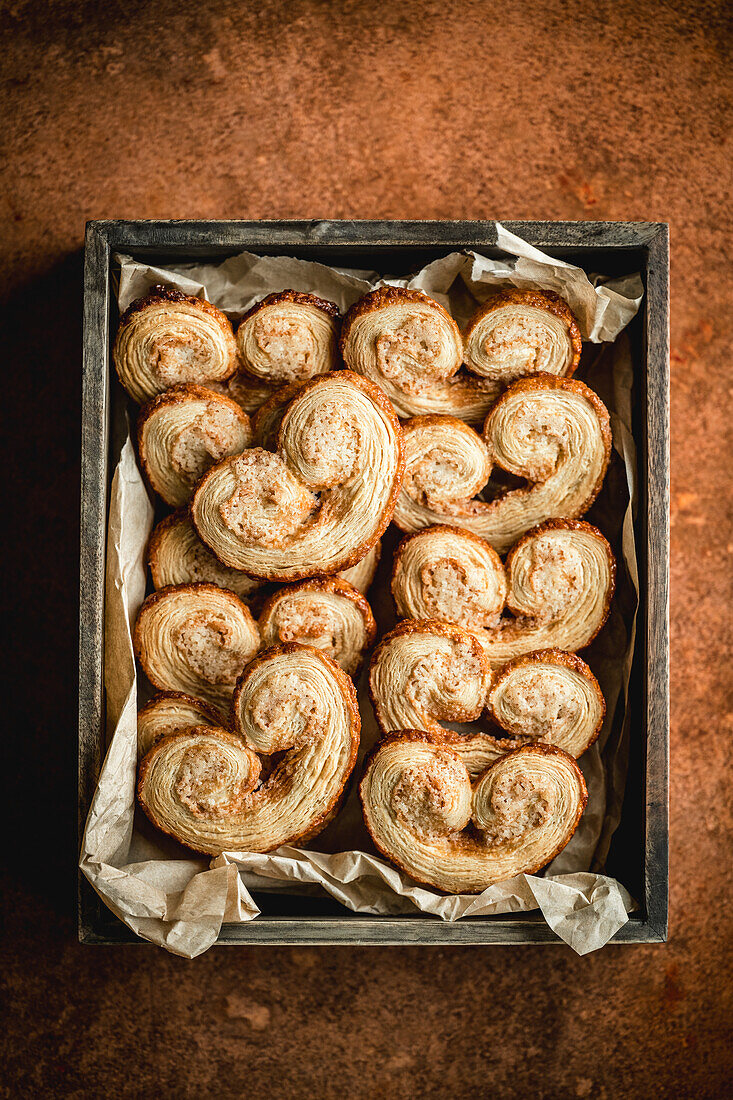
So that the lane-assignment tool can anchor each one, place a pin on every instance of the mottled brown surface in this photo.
(439, 109)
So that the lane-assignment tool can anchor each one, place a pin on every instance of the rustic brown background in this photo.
(347, 109)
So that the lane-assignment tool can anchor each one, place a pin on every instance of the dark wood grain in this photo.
(607, 246)
(657, 580)
(94, 475)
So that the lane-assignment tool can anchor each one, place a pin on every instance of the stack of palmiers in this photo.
(283, 451)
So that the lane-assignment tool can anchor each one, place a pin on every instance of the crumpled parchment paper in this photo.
(180, 902)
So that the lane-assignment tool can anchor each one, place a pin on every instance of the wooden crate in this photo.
(639, 852)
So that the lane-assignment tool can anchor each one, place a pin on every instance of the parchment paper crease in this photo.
(180, 902)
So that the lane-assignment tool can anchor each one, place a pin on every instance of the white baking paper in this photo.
(180, 902)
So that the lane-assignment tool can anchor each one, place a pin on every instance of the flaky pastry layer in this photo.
(167, 338)
(553, 432)
(425, 673)
(426, 815)
(288, 336)
(277, 777)
(195, 638)
(325, 612)
(182, 433)
(321, 502)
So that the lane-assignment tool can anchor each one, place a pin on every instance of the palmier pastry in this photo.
(548, 696)
(181, 433)
(444, 573)
(176, 555)
(559, 585)
(519, 332)
(288, 337)
(328, 613)
(424, 814)
(204, 786)
(195, 638)
(412, 348)
(425, 673)
(319, 504)
(167, 338)
(553, 432)
(170, 712)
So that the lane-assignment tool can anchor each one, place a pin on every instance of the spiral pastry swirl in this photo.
(176, 555)
(519, 332)
(425, 673)
(321, 503)
(561, 579)
(444, 573)
(167, 338)
(548, 696)
(207, 788)
(326, 612)
(195, 638)
(412, 348)
(288, 337)
(558, 585)
(266, 428)
(182, 433)
(424, 814)
(170, 712)
(553, 432)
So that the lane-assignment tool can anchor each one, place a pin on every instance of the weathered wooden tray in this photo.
(639, 850)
